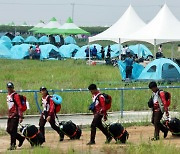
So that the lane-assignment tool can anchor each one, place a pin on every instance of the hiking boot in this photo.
(21, 142)
(165, 134)
(91, 143)
(12, 147)
(108, 140)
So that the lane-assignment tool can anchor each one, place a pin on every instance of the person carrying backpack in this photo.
(99, 112)
(48, 113)
(159, 105)
(15, 116)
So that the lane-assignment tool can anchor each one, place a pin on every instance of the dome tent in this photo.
(46, 49)
(4, 52)
(136, 71)
(115, 50)
(19, 51)
(31, 39)
(81, 52)
(43, 39)
(69, 40)
(161, 69)
(5, 40)
(69, 50)
(18, 39)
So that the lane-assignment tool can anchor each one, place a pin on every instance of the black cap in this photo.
(92, 87)
(43, 88)
(152, 85)
(10, 85)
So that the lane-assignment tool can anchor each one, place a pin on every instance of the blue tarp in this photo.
(18, 39)
(46, 49)
(141, 50)
(31, 39)
(69, 50)
(19, 51)
(136, 71)
(4, 52)
(115, 50)
(161, 69)
(69, 40)
(81, 52)
(44, 39)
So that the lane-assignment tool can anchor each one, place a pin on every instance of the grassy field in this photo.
(72, 74)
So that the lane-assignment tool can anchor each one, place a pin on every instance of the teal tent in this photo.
(19, 51)
(18, 39)
(115, 50)
(68, 51)
(161, 69)
(136, 71)
(69, 40)
(43, 39)
(31, 39)
(4, 52)
(5, 40)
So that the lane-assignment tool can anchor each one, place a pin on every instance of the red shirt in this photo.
(14, 105)
(99, 104)
(48, 105)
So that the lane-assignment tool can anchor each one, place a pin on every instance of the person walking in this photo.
(15, 116)
(99, 112)
(159, 106)
(48, 113)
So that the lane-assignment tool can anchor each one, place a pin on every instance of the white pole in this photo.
(154, 48)
(89, 53)
(172, 51)
(138, 50)
(120, 48)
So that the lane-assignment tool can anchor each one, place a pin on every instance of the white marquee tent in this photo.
(128, 23)
(164, 27)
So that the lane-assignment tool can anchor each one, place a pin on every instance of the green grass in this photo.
(2, 132)
(73, 74)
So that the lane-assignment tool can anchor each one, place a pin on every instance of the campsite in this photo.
(132, 65)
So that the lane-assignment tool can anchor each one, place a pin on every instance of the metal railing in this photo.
(122, 89)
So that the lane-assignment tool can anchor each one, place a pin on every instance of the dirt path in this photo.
(138, 134)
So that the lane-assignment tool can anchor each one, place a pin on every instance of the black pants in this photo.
(128, 71)
(12, 125)
(98, 123)
(42, 122)
(156, 117)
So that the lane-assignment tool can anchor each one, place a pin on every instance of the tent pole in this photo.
(172, 51)
(138, 50)
(120, 48)
(154, 48)
(89, 53)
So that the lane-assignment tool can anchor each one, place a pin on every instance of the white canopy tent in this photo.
(128, 23)
(164, 27)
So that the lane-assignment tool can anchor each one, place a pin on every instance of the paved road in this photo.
(85, 119)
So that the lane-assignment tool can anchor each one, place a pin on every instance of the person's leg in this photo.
(157, 124)
(42, 123)
(56, 128)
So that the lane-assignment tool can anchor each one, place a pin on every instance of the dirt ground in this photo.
(137, 134)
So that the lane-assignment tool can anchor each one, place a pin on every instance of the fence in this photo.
(121, 90)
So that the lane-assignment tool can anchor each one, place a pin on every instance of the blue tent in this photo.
(46, 49)
(44, 39)
(6, 38)
(57, 38)
(81, 52)
(136, 71)
(141, 50)
(161, 69)
(7, 44)
(19, 51)
(4, 52)
(69, 40)
(18, 39)
(115, 50)
(31, 39)
(69, 50)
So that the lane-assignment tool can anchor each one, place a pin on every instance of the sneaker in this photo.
(91, 143)
(108, 140)
(21, 142)
(61, 139)
(12, 147)
(154, 138)
(165, 134)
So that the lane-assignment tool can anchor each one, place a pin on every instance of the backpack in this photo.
(167, 97)
(23, 101)
(57, 102)
(108, 100)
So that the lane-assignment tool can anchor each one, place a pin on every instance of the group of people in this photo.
(15, 114)
(34, 53)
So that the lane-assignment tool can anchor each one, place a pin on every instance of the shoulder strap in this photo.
(97, 97)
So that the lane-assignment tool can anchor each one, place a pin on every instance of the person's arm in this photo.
(19, 106)
(162, 96)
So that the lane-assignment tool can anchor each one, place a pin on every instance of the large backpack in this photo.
(23, 102)
(57, 102)
(108, 100)
(167, 97)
